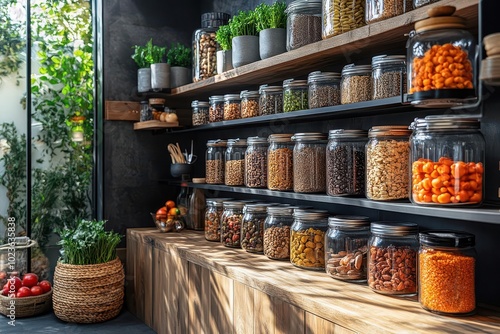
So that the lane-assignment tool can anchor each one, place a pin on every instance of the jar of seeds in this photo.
(389, 76)
(235, 162)
(216, 109)
(356, 84)
(256, 162)
(232, 105)
(270, 100)
(213, 215)
(249, 103)
(200, 112)
(309, 162)
(280, 162)
(378, 10)
(214, 158)
(341, 16)
(230, 228)
(303, 24)
(252, 228)
(324, 89)
(295, 95)
(277, 232)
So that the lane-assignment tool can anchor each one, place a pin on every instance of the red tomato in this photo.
(17, 283)
(45, 285)
(23, 291)
(36, 290)
(30, 280)
(161, 213)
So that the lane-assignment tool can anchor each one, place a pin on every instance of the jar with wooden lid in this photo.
(213, 215)
(252, 227)
(303, 24)
(277, 225)
(216, 108)
(356, 84)
(388, 76)
(214, 161)
(200, 112)
(232, 107)
(230, 229)
(323, 89)
(249, 103)
(295, 95)
(234, 172)
(280, 162)
(309, 162)
(378, 10)
(256, 162)
(341, 16)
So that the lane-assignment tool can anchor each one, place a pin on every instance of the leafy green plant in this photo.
(179, 55)
(224, 37)
(12, 44)
(270, 16)
(243, 24)
(139, 56)
(149, 54)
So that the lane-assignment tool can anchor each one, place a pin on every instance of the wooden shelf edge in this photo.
(155, 125)
(122, 111)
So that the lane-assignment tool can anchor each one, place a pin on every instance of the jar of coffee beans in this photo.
(309, 162)
(324, 89)
(213, 215)
(200, 112)
(235, 162)
(389, 76)
(232, 107)
(252, 228)
(230, 228)
(214, 161)
(216, 109)
(295, 95)
(277, 232)
(280, 162)
(270, 100)
(356, 84)
(256, 162)
(249, 103)
(378, 10)
(303, 24)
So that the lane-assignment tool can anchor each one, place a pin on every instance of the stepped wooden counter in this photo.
(181, 283)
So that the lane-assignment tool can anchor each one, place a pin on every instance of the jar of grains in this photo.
(447, 161)
(307, 239)
(345, 162)
(256, 162)
(324, 89)
(303, 24)
(200, 112)
(215, 156)
(234, 173)
(346, 247)
(277, 232)
(341, 16)
(249, 103)
(392, 258)
(213, 215)
(309, 162)
(389, 76)
(280, 162)
(216, 109)
(230, 228)
(420, 3)
(378, 10)
(446, 272)
(232, 104)
(205, 45)
(252, 228)
(356, 84)
(295, 95)
(387, 163)
(270, 100)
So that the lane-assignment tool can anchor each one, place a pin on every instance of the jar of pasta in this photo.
(341, 16)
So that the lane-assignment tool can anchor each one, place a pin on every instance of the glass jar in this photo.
(303, 24)
(447, 161)
(378, 10)
(234, 173)
(280, 162)
(441, 62)
(356, 84)
(213, 215)
(341, 16)
(345, 162)
(200, 112)
(387, 163)
(249, 103)
(323, 89)
(307, 239)
(389, 76)
(309, 162)
(295, 95)
(420, 3)
(216, 109)
(256, 162)
(277, 232)
(232, 109)
(392, 258)
(270, 100)
(196, 210)
(146, 112)
(346, 247)
(252, 228)
(205, 46)
(446, 272)
(230, 228)
(215, 156)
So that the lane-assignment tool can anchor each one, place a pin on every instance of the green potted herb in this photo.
(144, 69)
(271, 24)
(224, 37)
(180, 60)
(152, 56)
(245, 41)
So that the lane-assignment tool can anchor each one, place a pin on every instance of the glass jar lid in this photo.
(216, 98)
(218, 202)
(270, 89)
(349, 221)
(249, 94)
(389, 130)
(303, 4)
(343, 133)
(388, 60)
(196, 104)
(319, 76)
(308, 136)
(394, 229)
(294, 83)
(256, 140)
(310, 214)
(356, 69)
(440, 17)
(445, 122)
(231, 97)
(447, 238)
(233, 205)
(216, 143)
(280, 138)
(236, 142)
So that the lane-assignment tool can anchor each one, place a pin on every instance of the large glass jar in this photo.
(392, 258)
(234, 173)
(303, 24)
(309, 162)
(277, 232)
(249, 103)
(377, 10)
(389, 76)
(295, 95)
(232, 107)
(323, 89)
(216, 109)
(341, 16)
(200, 112)
(256, 162)
(447, 161)
(345, 162)
(214, 161)
(387, 163)
(270, 100)
(205, 46)
(346, 247)
(307, 237)
(213, 215)
(446, 272)
(356, 84)
(441, 62)
(280, 162)
(230, 228)
(252, 228)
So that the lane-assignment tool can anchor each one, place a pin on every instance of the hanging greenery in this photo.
(12, 41)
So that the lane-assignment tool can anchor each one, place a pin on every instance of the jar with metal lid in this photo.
(270, 100)
(249, 103)
(387, 163)
(447, 161)
(230, 228)
(389, 76)
(392, 258)
(309, 162)
(341, 16)
(420, 3)
(146, 112)
(446, 272)
(200, 112)
(346, 247)
(280, 162)
(441, 61)
(323, 89)
(205, 45)
(213, 215)
(256, 162)
(295, 95)
(216, 109)
(232, 107)
(356, 84)
(252, 228)
(234, 173)
(215, 156)
(277, 232)
(378, 10)
(345, 162)
(307, 239)
(303, 24)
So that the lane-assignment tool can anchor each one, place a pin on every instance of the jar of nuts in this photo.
(341, 16)
(216, 109)
(230, 229)
(256, 162)
(378, 10)
(356, 84)
(392, 258)
(346, 247)
(235, 162)
(213, 215)
(309, 162)
(200, 112)
(215, 156)
(232, 107)
(249, 103)
(252, 228)
(307, 239)
(324, 89)
(270, 100)
(303, 24)
(280, 162)
(277, 232)
(295, 95)
(389, 76)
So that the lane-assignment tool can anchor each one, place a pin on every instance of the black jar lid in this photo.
(447, 238)
(214, 19)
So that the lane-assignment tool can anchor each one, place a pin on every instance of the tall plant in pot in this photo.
(179, 58)
(144, 69)
(153, 56)
(245, 41)
(224, 37)
(271, 25)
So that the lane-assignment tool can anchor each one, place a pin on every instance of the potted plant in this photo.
(224, 57)
(271, 25)
(144, 71)
(245, 41)
(179, 58)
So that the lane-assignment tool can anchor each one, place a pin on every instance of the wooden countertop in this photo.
(353, 306)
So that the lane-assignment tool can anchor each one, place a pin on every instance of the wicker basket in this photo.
(26, 306)
(88, 293)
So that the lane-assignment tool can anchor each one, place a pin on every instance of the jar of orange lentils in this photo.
(441, 69)
(447, 161)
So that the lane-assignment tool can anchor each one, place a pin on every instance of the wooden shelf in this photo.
(154, 125)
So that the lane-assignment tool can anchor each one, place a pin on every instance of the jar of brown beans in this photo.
(309, 162)
(252, 228)
(214, 161)
(200, 112)
(280, 162)
(256, 162)
(234, 171)
(389, 76)
(213, 215)
(232, 107)
(356, 84)
(324, 89)
(249, 103)
(277, 232)
(230, 229)
(216, 108)
(270, 100)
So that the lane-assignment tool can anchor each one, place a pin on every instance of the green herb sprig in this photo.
(224, 37)
(243, 24)
(271, 16)
(149, 54)
(179, 55)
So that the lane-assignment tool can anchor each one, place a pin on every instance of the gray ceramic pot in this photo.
(179, 76)
(224, 61)
(272, 42)
(160, 76)
(245, 50)
(143, 80)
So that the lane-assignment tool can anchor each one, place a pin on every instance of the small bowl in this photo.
(181, 169)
